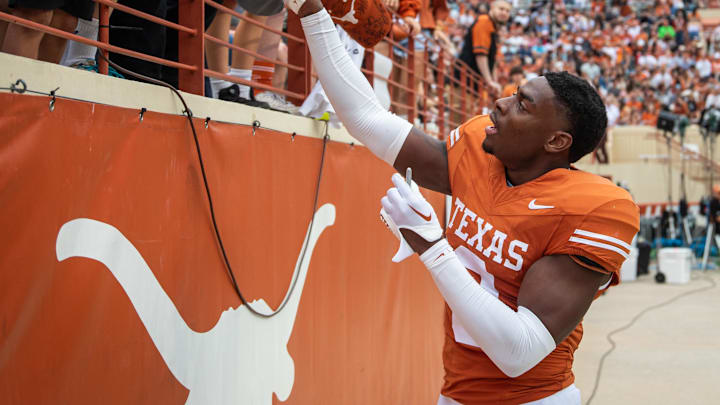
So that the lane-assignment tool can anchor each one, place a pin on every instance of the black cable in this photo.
(632, 322)
(188, 113)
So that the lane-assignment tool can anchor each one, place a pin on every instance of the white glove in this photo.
(294, 5)
(405, 208)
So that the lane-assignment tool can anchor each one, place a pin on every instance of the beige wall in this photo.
(640, 158)
(648, 182)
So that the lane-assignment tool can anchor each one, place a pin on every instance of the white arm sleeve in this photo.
(514, 341)
(349, 92)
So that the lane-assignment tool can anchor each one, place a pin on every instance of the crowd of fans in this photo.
(643, 56)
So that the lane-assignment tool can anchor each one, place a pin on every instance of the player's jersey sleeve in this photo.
(464, 146)
(603, 236)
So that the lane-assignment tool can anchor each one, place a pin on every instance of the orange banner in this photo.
(113, 288)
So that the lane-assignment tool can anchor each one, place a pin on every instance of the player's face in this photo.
(523, 123)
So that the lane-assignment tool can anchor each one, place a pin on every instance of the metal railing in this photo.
(445, 92)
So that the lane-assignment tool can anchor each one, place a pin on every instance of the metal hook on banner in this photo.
(20, 90)
(207, 122)
(255, 126)
(292, 137)
(53, 99)
(142, 113)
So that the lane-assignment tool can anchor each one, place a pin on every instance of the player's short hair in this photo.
(584, 109)
(516, 70)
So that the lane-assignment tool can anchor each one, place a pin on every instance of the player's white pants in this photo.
(570, 395)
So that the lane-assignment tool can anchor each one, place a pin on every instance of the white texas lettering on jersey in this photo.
(243, 359)
(510, 257)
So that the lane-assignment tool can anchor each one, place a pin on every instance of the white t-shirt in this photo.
(712, 100)
(591, 70)
(634, 31)
(704, 67)
(667, 60)
(661, 78)
(648, 60)
(613, 114)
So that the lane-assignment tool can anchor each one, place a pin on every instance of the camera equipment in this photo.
(666, 121)
(710, 120)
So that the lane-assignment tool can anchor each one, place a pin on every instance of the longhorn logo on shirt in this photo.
(243, 359)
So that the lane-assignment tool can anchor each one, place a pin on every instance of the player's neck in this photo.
(523, 175)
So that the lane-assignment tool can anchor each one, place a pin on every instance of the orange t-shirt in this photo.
(498, 237)
(482, 35)
(635, 105)
(662, 10)
(716, 66)
(649, 118)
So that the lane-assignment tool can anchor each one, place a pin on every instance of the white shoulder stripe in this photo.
(603, 237)
(600, 245)
(454, 136)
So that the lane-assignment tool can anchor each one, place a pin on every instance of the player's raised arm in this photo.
(388, 136)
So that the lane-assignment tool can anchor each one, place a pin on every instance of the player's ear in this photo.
(558, 142)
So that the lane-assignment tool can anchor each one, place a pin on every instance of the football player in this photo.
(530, 241)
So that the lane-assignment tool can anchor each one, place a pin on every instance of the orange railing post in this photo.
(308, 69)
(411, 99)
(104, 36)
(191, 47)
(441, 94)
(426, 86)
(463, 101)
(393, 90)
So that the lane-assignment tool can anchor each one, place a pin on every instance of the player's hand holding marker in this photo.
(405, 208)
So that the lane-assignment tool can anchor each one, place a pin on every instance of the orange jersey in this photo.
(499, 231)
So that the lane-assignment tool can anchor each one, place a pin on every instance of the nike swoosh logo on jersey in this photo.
(425, 217)
(534, 206)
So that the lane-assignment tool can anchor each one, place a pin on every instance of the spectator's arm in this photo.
(440, 10)
(482, 62)
(409, 10)
(482, 42)
(391, 5)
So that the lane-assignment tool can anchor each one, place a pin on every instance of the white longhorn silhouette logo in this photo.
(243, 359)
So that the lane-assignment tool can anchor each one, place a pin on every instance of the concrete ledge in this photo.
(101, 89)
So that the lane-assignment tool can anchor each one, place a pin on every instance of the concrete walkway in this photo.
(671, 355)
